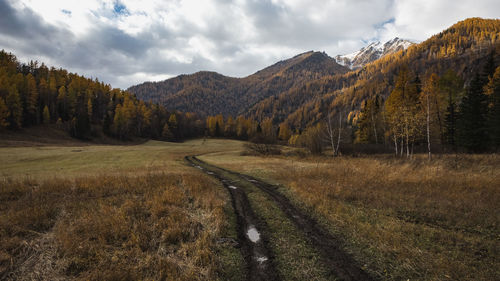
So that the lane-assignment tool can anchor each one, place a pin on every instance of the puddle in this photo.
(253, 180)
(199, 167)
(261, 259)
(233, 187)
(210, 173)
(253, 234)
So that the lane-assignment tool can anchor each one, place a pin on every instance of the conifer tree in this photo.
(492, 91)
(471, 126)
(13, 102)
(4, 114)
(31, 110)
(451, 86)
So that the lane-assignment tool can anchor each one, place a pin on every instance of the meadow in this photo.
(401, 219)
(129, 212)
(98, 212)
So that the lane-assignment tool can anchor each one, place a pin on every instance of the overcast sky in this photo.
(128, 42)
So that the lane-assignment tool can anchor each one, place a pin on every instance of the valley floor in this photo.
(102, 212)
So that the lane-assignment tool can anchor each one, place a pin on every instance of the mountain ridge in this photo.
(209, 92)
(299, 90)
(372, 52)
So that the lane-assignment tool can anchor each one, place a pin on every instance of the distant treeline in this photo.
(32, 94)
(432, 110)
(435, 111)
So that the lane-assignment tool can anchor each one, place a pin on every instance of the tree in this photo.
(312, 139)
(451, 86)
(166, 133)
(268, 132)
(46, 115)
(368, 122)
(334, 131)
(492, 91)
(62, 106)
(403, 112)
(13, 103)
(284, 133)
(31, 116)
(4, 114)
(472, 123)
(230, 129)
(431, 87)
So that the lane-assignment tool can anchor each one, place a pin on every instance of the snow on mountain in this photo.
(373, 51)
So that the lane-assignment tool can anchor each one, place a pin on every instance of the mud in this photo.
(253, 242)
(341, 264)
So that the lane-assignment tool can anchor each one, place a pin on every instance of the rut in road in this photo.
(341, 264)
(253, 243)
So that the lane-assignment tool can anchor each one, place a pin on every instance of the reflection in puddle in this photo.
(261, 259)
(233, 187)
(253, 234)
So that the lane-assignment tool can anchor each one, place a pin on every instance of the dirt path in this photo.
(253, 243)
(340, 263)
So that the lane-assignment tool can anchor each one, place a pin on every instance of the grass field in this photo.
(98, 212)
(128, 212)
(401, 219)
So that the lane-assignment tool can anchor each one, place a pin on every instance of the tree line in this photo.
(33, 94)
(436, 111)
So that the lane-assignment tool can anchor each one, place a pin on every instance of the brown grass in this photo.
(400, 219)
(149, 227)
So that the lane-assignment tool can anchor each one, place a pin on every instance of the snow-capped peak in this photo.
(373, 51)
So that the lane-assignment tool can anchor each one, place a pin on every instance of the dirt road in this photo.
(341, 265)
(252, 240)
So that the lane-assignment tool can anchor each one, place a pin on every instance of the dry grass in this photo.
(152, 227)
(113, 213)
(401, 219)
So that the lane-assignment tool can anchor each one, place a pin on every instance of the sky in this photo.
(127, 42)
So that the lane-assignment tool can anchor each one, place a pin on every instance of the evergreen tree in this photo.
(492, 90)
(31, 109)
(13, 102)
(471, 126)
(451, 86)
(4, 114)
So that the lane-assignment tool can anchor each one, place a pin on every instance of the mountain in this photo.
(210, 93)
(372, 52)
(300, 90)
(463, 48)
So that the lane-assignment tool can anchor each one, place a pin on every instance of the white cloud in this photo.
(125, 42)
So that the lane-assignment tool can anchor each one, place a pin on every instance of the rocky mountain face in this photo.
(372, 52)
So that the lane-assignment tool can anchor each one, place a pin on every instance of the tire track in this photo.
(258, 257)
(341, 263)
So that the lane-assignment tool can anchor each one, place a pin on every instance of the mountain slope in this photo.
(210, 93)
(372, 52)
(464, 48)
(300, 90)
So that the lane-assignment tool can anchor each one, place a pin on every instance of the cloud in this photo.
(127, 42)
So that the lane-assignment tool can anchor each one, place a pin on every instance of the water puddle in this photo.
(210, 173)
(253, 180)
(253, 234)
(199, 167)
(233, 187)
(261, 259)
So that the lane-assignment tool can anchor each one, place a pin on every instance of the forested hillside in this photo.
(33, 94)
(210, 93)
(442, 92)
